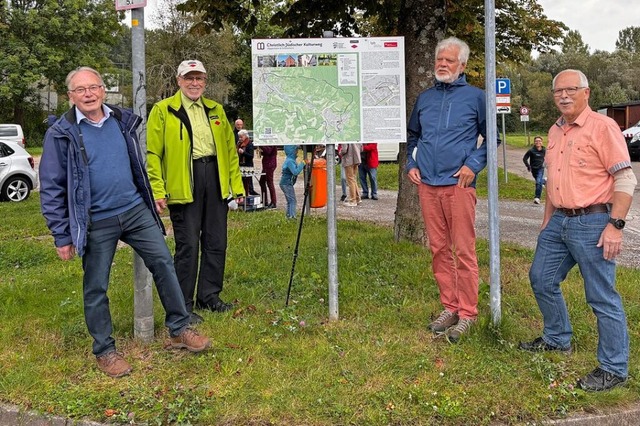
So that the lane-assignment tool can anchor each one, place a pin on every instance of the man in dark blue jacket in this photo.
(94, 192)
(444, 158)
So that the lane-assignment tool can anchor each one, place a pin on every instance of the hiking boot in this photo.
(190, 340)
(445, 320)
(113, 365)
(600, 380)
(539, 345)
(463, 327)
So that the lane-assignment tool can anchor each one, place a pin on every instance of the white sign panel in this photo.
(328, 90)
(504, 110)
(506, 100)
(130, 4)
(524, 118)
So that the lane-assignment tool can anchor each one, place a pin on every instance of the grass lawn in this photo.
(377, 365)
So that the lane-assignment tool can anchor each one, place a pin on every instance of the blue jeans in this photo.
(372, 173)
(538, 176)
(137, 228)
(564, 242)
(290, 195)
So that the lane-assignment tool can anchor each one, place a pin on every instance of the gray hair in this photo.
(243, 132)
(463, 48)
(73, 73)
(583, 78)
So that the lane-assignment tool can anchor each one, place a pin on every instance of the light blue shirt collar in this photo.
(107, 113)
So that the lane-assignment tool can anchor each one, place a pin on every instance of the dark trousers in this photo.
(266, 180)
(200, 231)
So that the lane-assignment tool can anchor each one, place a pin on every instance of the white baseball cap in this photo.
(190, 65)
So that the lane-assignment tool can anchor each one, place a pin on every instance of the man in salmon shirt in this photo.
(589, 191)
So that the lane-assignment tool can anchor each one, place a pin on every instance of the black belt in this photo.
(595, 208)
(207, 159)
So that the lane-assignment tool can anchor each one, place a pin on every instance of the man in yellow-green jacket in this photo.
(193, 168)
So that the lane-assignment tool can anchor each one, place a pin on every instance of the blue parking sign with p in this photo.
(503, 86)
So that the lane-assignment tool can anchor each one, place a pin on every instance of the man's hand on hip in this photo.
(414, 176)
(465, 176)
(611, 242)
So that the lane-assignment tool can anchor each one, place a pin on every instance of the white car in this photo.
(631, 131)
(17, 172)
(12, 133)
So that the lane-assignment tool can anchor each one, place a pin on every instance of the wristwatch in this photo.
(617, 223)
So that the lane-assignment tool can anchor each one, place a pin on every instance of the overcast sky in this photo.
(598, 21)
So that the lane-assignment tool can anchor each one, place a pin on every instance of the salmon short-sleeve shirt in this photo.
(581, 159)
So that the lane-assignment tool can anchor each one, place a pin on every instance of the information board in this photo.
(328, 90)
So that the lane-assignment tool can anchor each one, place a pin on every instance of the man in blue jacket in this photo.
(444, 158)
(94, 191)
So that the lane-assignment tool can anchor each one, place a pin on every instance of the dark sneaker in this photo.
(463, 326)
(190, 340)
(365, 197)
(195, 319)
(218, 306)
(374, 197)
(600, 380)
(445, 320)
(113, 365)
(539, 345)
(344, 197)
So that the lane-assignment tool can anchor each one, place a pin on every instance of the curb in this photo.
(13, 416)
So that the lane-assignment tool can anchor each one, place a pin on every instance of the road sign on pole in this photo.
(503, 86)
(503, 96)
(130, 4)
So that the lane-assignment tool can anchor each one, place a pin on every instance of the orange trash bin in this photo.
(318, 183)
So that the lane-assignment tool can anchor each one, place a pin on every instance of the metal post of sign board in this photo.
(332, 228)
(492, 161)
(143, 293)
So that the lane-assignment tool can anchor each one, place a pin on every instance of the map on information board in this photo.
(328, 90)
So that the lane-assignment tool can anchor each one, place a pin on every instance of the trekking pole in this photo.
(307, 188)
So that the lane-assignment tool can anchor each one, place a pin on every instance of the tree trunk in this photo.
(423, 25)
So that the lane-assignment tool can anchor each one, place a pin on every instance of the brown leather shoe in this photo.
(113, 365)
(190, 340)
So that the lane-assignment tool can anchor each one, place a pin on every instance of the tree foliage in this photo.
(629, 39)
(175, 40)
(42, 40)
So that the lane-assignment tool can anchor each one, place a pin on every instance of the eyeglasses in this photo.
(570, 91)
(94, 88)
(198, 80)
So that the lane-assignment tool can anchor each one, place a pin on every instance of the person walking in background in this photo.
(589, 193)
(368, 168)
(443, 160)
(534, 160)
(94, 192)
(269, 164)
(350, 160)
(246, 152)
(193, 166)
(291, 168)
